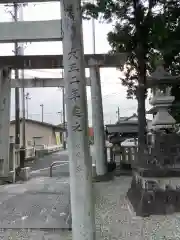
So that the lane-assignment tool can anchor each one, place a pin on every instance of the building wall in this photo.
(36, 130)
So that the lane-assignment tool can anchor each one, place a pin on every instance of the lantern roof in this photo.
(160, 76)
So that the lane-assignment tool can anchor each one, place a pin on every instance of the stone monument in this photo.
(155, 186)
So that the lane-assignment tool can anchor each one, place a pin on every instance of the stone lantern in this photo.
(155, 187)
(161, 100)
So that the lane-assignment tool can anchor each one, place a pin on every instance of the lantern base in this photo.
(154, 197)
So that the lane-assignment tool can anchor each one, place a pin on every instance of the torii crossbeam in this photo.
(56, 61)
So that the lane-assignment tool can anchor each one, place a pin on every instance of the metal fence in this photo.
(56, 164)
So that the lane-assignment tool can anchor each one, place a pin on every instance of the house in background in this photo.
(134, 119)
(38, 133)
(125, 127)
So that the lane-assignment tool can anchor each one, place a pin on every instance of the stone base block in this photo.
(25, 174)
(148, 198)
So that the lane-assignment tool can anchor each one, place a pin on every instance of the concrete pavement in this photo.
(47, 160)
(114, 219)
(40, 167)
(38, 203)
(39, 209)
(41, 202)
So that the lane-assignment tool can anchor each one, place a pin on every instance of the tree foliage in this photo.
(132, 33)
(170, 48)
(147, 30)
(152, 23)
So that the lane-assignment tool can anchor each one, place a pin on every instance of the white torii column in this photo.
(82, 205)
(99, 154)
(5, 100)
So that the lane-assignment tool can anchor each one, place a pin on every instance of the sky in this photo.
(113, 93)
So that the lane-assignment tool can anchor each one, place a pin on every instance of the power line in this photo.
(56, 113)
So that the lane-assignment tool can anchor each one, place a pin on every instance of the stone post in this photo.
(100, 157)
(5, 100)
(82, 205)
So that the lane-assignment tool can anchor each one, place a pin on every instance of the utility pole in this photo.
(63, 112)
(19, 50)
(64, 118)
(23, 130)
(27, 99)
(94, 32)
(118, 113)
(23, 148)
(17, 108)
(42, 112)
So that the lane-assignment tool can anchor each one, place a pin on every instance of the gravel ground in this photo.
(114, 219)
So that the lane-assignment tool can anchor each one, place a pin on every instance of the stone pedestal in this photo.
(150, 196)
(155, 187)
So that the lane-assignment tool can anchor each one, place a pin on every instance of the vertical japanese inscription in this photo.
(75, 94)
(74, 75)
(73, 71)
(68, 8)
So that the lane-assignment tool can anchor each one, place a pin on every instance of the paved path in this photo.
(38, 203)
(47, 160)
(40, 167)
(39, 209)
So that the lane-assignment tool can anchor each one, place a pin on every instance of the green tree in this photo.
(132, 32)
(146, 29)
(167, 43)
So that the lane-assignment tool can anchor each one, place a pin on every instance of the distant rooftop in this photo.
(133, 119)
(122, 119)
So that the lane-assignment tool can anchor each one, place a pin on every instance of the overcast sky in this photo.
(113, 93)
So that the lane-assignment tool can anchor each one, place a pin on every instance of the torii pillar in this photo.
(99, 155)
(5, 101)
(82, 205)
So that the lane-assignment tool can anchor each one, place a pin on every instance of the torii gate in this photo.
(74, 63)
